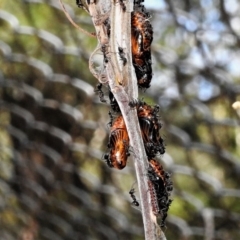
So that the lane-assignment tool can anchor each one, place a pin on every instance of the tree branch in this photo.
(123, 84)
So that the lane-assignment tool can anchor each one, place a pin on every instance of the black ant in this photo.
(106, 23)
(107, 159)
(123, 5)
(136, 103)
(135, 202)
(111, 118)
(104, 51)
(122, 55)
(88, 2)
(113, 102)
(99, 91)
(138, 1)
(79, 3)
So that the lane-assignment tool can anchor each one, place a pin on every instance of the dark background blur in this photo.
(53, 129)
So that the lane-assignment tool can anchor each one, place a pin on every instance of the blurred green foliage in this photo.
(196, 79)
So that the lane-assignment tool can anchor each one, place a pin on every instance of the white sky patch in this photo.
(155, 4)
(234, 65)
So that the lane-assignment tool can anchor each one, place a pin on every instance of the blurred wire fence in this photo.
(53, 129)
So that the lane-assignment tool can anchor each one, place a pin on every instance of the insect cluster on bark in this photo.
(159, 181)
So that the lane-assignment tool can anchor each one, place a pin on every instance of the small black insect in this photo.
(122, 55)
(134, 103)
(88, 2)
(107, 25)
(123, 5)
(105, 52)
(111, 118)
(99, 91)
(79, 3)
(137, 2)
(106, 157)
(113, 102)
(135, 202)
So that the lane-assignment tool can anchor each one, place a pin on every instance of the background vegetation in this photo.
(53, 129)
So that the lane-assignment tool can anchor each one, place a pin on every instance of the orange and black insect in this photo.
(150, 127)
(98, 90)
(118, 144)
(147, 132)
(141, 25)
(158, 168)
(135, 202)
(145, 110)
(144, 75)
(141, 38)
(158, 183)
(154, 198)
(165, 176)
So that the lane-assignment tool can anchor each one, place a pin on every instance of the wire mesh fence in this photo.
(53, 128)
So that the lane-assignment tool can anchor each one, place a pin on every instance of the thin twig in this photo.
(90, 63)
(123, 85)
(123, 94)
(73, 23)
